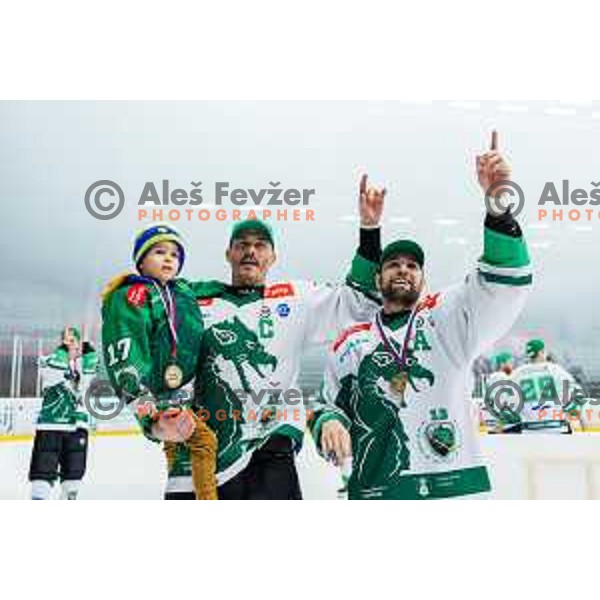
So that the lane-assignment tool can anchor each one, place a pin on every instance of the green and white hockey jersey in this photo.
(138, 343)
(549, 394)
(498, 419)
(421, 442)
(64, 382)
(250, 355)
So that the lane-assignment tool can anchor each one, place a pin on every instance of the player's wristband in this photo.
(370, 243)
(505, 223)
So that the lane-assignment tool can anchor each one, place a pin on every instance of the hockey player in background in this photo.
(256, 332)
(399, 383)
(552, 399)
(501, 420)
(503, 366)
(60, 444)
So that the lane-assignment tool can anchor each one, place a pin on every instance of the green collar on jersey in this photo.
(240, 296)
(395, 320)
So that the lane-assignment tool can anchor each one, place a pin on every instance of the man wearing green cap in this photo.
(552, 399)
(61, 438)
(249, 362)
(503, 364)
(399, 382)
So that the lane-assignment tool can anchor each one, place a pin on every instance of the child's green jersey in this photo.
(147, 328)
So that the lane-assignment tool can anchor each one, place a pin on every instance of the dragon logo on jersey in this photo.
(379, 368)
(235, 344)
(381, 445)
(382, 451)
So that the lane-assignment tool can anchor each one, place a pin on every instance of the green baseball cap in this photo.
(403, 247)
(254, 225)
(501, 358)
(74, 330)
(534, 347)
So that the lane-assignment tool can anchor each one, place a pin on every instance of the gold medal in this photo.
(173, 376)
(399, 382)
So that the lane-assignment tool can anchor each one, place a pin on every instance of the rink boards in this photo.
(124, 465)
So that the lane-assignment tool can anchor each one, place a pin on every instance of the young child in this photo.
(61, 438)
(151, 333)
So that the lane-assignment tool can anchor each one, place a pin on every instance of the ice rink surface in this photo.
(129, 467)
(122, 467)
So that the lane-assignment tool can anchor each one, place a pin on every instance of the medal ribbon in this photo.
(400, 359)
(171, 312)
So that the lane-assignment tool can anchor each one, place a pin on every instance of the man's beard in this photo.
(249, 277)
(401, 296)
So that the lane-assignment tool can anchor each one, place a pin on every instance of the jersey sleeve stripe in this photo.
(507, 271)
(506, 279)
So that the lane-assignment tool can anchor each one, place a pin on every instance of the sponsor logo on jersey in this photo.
(265, 312)
(283, 310)
(279, 290)
(137, 294)
(205, 301)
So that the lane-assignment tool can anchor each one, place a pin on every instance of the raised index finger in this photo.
(494, 144)
(363, 184)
